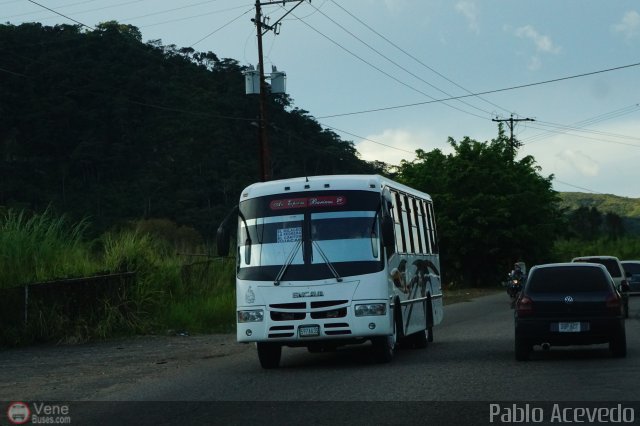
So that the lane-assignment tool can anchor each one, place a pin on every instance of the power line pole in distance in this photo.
(511, 122)
(262, 27)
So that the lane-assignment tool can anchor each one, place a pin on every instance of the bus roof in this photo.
(372, 183)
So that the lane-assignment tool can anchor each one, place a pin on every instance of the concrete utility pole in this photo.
(510, 122)
(262, 28)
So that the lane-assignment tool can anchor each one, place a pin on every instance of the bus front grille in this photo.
(334, 313)
(287, 316)
(280, 331)
(333, 329)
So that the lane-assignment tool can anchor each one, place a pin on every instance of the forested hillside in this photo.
(99, 124)
(606, 203)
(628, 209)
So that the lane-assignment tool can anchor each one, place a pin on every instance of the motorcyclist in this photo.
(517, 273)
(516, 280)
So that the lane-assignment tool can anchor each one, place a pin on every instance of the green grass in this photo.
(623, 248)
(41, 247)
(169, 292)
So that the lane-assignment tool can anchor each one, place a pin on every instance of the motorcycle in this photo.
(514, 287)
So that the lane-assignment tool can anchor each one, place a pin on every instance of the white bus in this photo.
(326, 261)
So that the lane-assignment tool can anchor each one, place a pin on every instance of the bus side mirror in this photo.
(222, 235)
(387, 231)
(222, 241)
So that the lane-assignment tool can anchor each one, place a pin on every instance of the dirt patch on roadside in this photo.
(92, 371)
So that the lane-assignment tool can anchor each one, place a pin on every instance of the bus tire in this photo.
(269, 354)
(384, 347)
(420, 339)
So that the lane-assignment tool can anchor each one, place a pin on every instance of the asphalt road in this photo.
(471, 359)
(469, 366)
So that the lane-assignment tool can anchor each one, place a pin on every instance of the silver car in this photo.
(632, 267)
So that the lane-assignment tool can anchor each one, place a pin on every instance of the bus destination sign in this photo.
(296, 203)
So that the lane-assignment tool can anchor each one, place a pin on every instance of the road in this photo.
(471, 359)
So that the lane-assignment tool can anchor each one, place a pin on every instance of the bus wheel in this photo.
(420, 339)
(384, 347)
(269, 354)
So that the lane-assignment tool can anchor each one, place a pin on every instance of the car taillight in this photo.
(524, 306)
(613, 302)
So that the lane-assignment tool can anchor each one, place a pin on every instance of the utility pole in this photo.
(510, 122)
(262, 28)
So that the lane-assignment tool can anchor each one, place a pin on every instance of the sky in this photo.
(393, 76)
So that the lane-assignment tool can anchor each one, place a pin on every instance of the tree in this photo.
(491, 211)
(96, 123)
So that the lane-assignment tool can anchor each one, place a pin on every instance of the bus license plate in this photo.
(309, 330)
(569, 327)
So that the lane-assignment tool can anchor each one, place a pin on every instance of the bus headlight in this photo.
(371, 309)
(251, 316)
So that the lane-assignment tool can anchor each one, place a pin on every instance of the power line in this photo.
(404, 68)
(522, 86)
(60, 14)
(366, 139)
(579, 126)
(577, 187)
(414, 58)
(62, 6)
(219, 28)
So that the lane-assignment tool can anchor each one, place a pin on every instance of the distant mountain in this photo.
(625, 207)
(605, 203)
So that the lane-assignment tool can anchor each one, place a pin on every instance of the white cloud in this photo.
(401, 145)
(629, 26)
(470, 12)
(543, 43)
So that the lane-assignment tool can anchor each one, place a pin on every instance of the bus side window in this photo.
(387, 212)
(408, 225)
(399, 226)
(417, 225)
(432, 228)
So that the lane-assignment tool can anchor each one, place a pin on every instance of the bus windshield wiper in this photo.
(326, 260)
(288, 262)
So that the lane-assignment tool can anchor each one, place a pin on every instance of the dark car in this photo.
(632, 268)
(566, 304)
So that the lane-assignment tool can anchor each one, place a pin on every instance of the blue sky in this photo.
(344, 57)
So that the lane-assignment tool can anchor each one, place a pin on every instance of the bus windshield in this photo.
(309, 236)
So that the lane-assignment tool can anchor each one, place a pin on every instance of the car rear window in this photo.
(568, 279)
(611, 265)
(633, 268)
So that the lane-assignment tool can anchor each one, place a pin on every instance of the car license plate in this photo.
(309, 330)
(569, 327)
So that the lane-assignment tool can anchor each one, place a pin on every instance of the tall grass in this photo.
(169, 293)
(41, 247)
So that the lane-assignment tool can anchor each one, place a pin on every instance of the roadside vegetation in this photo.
(170, 293)
(95, 150)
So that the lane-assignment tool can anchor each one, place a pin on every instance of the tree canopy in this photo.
(491, 210)
(97, 123)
